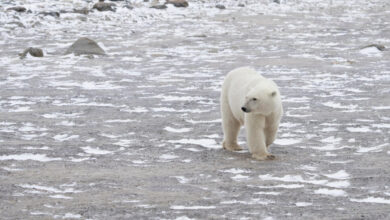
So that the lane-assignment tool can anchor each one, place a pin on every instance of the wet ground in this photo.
(137, 134)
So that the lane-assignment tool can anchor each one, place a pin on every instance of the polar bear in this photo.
(249, 99)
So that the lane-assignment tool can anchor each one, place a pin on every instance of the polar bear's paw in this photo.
(264, 157)
(231, 147)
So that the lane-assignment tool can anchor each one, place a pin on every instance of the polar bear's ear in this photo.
(273, 94)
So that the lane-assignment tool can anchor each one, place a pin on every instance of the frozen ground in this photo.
(136, 134)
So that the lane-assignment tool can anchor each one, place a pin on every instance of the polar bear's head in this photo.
(261, 100)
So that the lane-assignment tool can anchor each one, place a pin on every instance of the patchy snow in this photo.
(207, 143)
(96, 151)
(340, 175)
(287, 141)
(29, 156)
(168, 157)
(303, 204)
(331, 192)
(177, 130)
(372, 200)
(180, 207)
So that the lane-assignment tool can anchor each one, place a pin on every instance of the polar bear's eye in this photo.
(254, 99)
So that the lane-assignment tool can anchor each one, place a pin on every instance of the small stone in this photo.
(159, 6)
(84, 11)
(220, 6)
(378, 46)
(102, 6)
(241, 5)
(17, 23)
(33, 51)
(85, 46)
(17, 9)
(178, 3)
(52, 13)
(129, 7)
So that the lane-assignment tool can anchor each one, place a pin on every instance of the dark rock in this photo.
(52, 13)
(220, 6)
(84, 11)
(33, 51)
(378, 46)
(129, 7)
(17, 9)
(102, 6)
(159, 6)
(85, 46)
(276, 1)
(241, 5)
(116, 0)
(178, 3)
(17, 23)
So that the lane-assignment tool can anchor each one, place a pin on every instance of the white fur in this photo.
(244, 87)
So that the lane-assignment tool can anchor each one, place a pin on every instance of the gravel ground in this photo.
(136, 134)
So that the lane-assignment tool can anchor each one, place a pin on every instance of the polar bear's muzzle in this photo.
(245, 109)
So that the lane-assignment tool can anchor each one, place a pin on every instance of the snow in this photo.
(303, 204)
(96, 151)
(378, 148)
(29, 156)
(177, 130)
(371, 52)
(207, 143)
(180, 207)
(287, 141)
(372, 200)
(340, 175)
(168, 157)
(331, 192)
(60, 197)
(235, 171)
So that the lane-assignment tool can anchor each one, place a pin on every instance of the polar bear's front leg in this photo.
(256, 139)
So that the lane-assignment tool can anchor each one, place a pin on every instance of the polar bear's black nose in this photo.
(243, 109)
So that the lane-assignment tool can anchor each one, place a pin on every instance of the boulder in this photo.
(220, 6)
(17, 9)
(159, 6)
(178, 3)
(85, 46)
(84, 11)
(33, 51)
(102, 6)
(378, 46)
(50, 13)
